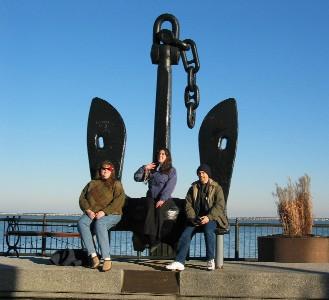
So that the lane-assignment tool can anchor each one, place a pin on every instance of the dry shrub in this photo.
(295, 207)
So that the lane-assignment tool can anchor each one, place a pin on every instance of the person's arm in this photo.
(139, 174)
(218, 208)
(83, 202)
(189, 210)
(118, 200)
(143, 172)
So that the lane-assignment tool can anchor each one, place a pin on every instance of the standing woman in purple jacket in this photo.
(161, 178)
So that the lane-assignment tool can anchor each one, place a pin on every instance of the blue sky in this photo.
(55, 56)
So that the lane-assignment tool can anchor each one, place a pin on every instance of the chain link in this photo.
(192, 93)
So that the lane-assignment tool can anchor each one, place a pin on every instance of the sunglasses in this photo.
(108, 169)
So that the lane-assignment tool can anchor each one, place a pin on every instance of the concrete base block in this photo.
(48, 278)
(255, 285)
(34, 277)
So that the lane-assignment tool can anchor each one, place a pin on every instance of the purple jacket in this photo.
(160, 185)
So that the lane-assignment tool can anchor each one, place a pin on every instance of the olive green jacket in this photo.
(101, 195)
(215, 200)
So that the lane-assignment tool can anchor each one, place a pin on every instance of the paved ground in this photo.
(35, 277)
(35, 262)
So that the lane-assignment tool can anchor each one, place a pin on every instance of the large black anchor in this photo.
(106, 133)
(166, 51)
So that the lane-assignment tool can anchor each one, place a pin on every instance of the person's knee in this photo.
(210, 227)
(209, 230)
(187, 234)
(100, 225)
(150, 202)
(84, 222)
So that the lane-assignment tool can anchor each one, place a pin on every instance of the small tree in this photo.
(295, 207)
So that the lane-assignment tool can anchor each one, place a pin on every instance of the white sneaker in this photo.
(211, 265)
(175, 266)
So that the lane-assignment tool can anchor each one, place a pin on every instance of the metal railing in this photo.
(240, 243)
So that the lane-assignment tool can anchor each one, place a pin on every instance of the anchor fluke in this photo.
(106, 136)
(218, 141)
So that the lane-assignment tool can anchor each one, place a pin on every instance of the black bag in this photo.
(70, 257)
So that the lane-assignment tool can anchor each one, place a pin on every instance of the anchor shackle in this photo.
(167, 51)
(158, 23)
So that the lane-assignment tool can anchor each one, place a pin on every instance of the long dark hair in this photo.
(167, 164)
(112, 176)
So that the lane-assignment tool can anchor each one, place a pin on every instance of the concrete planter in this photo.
(280, 248)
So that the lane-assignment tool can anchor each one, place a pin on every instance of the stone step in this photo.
(35, 278)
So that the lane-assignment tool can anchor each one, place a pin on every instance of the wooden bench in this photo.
(44, 233)
(13, 229)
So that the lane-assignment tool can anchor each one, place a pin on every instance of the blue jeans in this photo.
(186, 237)
(100, 227)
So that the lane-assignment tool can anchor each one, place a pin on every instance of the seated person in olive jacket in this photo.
(101, 202)
(205, 210)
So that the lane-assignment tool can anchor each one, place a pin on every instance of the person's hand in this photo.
(100, 214)
(204, 220)
(90, 214)
(196, 221)
(159, 203)
(150, 166)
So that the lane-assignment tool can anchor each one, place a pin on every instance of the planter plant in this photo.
(295, 207)
(296, 243)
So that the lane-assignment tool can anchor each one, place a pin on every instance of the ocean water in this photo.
(240, 242)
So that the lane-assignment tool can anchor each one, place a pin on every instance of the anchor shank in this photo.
(164, 56)
(163, 102)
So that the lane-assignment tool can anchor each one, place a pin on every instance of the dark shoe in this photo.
(154, 246)
(152, 239)
(95, 262)
(138, 243)
(107, 265)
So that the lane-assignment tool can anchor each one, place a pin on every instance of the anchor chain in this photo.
(192, 66)
(192, 93)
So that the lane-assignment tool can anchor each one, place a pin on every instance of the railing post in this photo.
(237, 239)
(43, 239)
(219, 257)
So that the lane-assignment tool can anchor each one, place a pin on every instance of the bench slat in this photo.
(25, 233)
(43, 233)
(63, 234)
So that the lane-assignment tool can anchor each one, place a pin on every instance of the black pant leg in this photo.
(155, 217)
(149, 225)
(161, 216)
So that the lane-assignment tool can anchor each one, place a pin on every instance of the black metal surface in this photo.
(164, 56)
(133, 219)
(192, 93)
(105, 123)
(158, 23)
(219, 126)
(106, 136)
(166, 50)
(12, 226)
